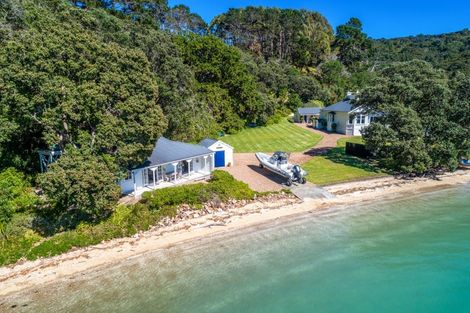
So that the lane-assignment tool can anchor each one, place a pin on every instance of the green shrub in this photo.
(15, 248)
(226, 187)
(80, 182)
(278, 116)
(126, 220)
(16, 195)
(19, 225)
(222, 186)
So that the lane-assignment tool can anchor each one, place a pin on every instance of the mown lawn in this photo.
(337, 167)
(284, 136)
(342, 141)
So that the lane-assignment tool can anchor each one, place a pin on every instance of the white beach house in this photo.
(344, 118)
(171, 163)
(223, 152)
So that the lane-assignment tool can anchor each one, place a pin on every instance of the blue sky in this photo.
(381, 18)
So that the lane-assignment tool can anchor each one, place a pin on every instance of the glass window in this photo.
(351, 119)
(363, 119)
(358, 119)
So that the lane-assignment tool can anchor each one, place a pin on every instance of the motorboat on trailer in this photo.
(278, 164)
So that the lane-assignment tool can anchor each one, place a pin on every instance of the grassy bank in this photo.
(337, 167)
(125, 221)
(283, 136)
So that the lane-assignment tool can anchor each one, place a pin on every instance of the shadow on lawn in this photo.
(338, 155)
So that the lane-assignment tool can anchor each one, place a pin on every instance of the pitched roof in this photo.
(207, 142)
(343, 106)
(167, 151)
(309, 111)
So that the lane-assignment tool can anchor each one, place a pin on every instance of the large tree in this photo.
(62, 86)
(180, 20)
(417, 107)
(219, 68)
(80, 184)
(352, 43)
(297, 36)
(460, 113)
(150, 12)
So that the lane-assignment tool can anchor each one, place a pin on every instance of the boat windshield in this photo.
(280, 157)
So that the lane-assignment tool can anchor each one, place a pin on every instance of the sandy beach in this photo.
(31, 274)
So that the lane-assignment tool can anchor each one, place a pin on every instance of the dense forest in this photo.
(102, 80)
(110, 77)
(447, 51)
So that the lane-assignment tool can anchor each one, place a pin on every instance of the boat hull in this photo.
(286, 170)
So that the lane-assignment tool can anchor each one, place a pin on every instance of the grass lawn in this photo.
(284, 136)
(337, 167)
(342, 142)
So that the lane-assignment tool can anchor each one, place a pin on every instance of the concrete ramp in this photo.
(310, 191)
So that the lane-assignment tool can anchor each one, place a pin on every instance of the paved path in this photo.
(247, 168)
(328, 141)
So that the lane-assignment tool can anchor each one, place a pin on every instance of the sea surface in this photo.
(405, 255)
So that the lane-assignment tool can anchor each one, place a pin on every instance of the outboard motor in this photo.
(298, 176)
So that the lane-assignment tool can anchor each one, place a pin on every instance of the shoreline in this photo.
(30, 274)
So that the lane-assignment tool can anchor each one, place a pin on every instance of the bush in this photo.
(15, 248)
(16, 195)
(126, 220)
(226, 187)
(222, 186)
(80, 183)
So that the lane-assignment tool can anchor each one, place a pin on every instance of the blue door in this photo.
(220, 159)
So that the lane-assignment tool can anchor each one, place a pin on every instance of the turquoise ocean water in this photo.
(406, 255)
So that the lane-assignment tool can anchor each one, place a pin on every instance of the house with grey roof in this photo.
(307, 115)
(223, 156)
(345, 118)
(171, 163)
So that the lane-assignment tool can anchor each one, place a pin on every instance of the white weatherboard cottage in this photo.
(223, 152)
(347, 119)
(171, 163)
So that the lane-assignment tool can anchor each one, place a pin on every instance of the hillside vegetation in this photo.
(100, 81)
(447, 51)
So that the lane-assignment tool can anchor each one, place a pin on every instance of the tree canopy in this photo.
(103, 79)
(423, 125)
(446, 51)
(300, 37)
(353, 45)
(80, 184)
(63, 86)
